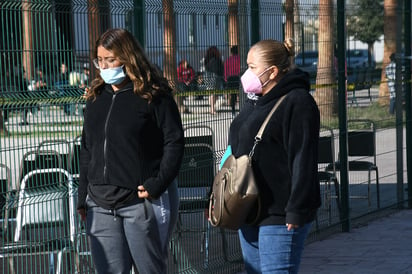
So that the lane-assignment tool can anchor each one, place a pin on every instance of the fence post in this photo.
(408, 110)
(398, 105)
(255, 28)
(343, 135)
(138, 26)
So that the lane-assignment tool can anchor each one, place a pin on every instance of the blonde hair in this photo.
(276, 53)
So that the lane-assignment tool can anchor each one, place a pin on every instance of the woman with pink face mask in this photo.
(284, 162)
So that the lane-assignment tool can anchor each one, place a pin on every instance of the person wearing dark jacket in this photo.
(213, 76)
(132, 148)
(284, 162)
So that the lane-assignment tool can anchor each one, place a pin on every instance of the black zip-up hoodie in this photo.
(127, 142)
(285, 161)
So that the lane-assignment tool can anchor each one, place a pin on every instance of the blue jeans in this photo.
(272, 249)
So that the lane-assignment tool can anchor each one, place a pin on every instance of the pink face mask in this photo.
(251, 82)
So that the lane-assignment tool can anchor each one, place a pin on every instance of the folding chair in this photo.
(326, 158)
(36, 160)
(62, 146)
(194, 182)
(51, 153)
(362, 153)
(5, 186)
(84, 260)
(45, 223)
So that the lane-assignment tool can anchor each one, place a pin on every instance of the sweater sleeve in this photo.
(302, 141)
(169, 121)
(84, 162)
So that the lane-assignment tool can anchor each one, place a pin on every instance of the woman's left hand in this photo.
(142, 193)
(291, 226)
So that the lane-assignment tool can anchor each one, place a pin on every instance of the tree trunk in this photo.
(98, 21)
(326, 90)
(27, 55)
(389, 32)
(233, 23)
(289, 25)
(297, 26)
(169, 49)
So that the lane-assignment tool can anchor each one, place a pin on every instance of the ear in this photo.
(274, 71)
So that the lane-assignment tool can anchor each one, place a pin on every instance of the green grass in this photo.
(378, 114)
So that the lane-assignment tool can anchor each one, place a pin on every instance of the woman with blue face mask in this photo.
(132, 147)
(284, 162)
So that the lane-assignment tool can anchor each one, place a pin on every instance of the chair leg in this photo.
(51, 263)
(59, 261)
(172, 245)
(11, 265)
(377, 189)
(328, 198)
(224, 244)
(337, 192)
(369, 189)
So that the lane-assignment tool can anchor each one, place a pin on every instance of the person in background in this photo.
(132, 148)
(39, 84)
(84, 76)
(390, 72)
(65, 84)
(213, 76)
(185, 82)
(232, 76)
(284, 163)
(63, 72)
(84, 85)
(15, 84)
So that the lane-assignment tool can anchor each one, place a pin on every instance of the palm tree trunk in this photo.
(169, 49)
(289, 25)
(326, 91)
(233, 23)
(389, 32)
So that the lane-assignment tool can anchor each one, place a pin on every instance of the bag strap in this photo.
(258, 136)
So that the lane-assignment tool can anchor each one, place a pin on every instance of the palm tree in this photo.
(99, 22)
(326, 91)
(389, 31)
(233, 23)
(289, 25)
(169, 48)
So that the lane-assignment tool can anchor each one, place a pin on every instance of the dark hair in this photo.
(234, 50)
(211, 53)
(276, 53)
(392, 57)
(147, 79)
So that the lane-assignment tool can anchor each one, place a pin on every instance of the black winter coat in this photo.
(285, 161)
(127, 142)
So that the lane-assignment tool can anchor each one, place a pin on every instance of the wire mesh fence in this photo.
(45, 67)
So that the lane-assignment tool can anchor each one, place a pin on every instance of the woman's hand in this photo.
(291, 226)
(142, 193)
(82, 213)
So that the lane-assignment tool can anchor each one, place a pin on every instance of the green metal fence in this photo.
(42, 115)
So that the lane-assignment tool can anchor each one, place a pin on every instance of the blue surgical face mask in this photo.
(113, 76)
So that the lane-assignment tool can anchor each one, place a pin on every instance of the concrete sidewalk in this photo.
(382, 246)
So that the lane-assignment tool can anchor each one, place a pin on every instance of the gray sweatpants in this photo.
(137, 234)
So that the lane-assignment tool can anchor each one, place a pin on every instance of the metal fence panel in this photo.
(42, 110)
